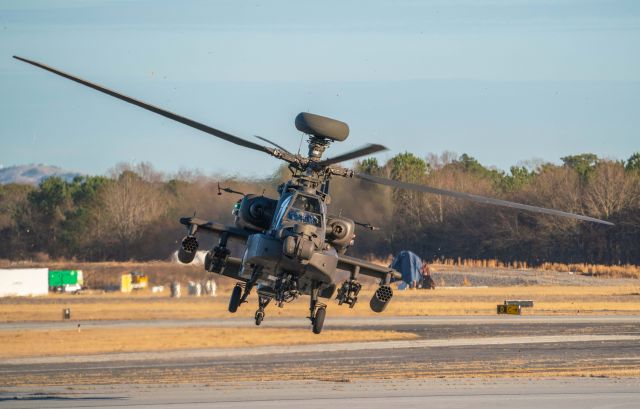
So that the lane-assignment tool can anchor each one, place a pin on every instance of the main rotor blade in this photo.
(476, 198)
(365, 150)
(189, 122)
(272, 143)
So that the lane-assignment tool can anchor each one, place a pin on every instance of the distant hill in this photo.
(33, 174)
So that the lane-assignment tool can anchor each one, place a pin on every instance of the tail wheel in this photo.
(259, 317)
(318, 320)
(234, 301)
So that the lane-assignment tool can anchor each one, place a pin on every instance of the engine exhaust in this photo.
(188, 248)
(381, 298)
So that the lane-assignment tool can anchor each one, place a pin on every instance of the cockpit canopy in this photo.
(300, 209)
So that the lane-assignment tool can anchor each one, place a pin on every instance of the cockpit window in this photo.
(281, 210)
(301, 216)
(308, 204)
(306, 210)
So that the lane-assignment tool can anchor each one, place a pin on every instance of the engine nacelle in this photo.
(381, 298)
(255, 212)
(340, 232)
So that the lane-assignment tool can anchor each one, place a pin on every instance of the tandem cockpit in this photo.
(300, 208)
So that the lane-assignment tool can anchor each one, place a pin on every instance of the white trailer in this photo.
(24, 282)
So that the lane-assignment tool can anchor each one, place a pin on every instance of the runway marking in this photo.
(316, 348)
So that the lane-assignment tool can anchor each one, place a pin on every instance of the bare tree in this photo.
(129, 205)
(610, 189)
(439, 161)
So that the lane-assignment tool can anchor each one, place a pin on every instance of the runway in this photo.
(384, 321)
(565, 393)
(476, 356)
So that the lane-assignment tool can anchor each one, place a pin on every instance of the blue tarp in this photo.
(409, 265)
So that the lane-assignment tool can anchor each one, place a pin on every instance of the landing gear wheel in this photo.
(259, 317)
(318, 320)
(234, 301)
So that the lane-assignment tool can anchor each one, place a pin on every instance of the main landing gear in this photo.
(238, 296)
(318, 319)
(262, 304)
(317, 311)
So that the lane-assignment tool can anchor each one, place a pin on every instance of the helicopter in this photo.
(293, 245)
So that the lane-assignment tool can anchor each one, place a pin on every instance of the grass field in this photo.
(27, 343)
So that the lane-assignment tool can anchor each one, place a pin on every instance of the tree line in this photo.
(132, 213)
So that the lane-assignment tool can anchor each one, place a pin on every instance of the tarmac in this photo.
(565, 393)
(383, 321)
(526, 361)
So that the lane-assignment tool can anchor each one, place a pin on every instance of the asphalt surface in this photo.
(381, 321)
(517, 351)
(433, 393)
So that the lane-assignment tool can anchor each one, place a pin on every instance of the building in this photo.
(24, 282)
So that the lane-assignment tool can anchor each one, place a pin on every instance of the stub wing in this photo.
(226, 265)
(352, 264)
(215, 227)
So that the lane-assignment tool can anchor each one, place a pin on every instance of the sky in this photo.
(503, 81)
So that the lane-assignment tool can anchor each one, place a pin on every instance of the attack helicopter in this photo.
(293, 245)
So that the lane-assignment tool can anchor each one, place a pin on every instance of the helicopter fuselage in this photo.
(293, 246)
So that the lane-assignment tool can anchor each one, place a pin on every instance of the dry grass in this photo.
(623, 271)
(599, 270)
(29, 343)
(549, 300)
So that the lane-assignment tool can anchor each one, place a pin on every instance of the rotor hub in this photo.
(317, 146)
